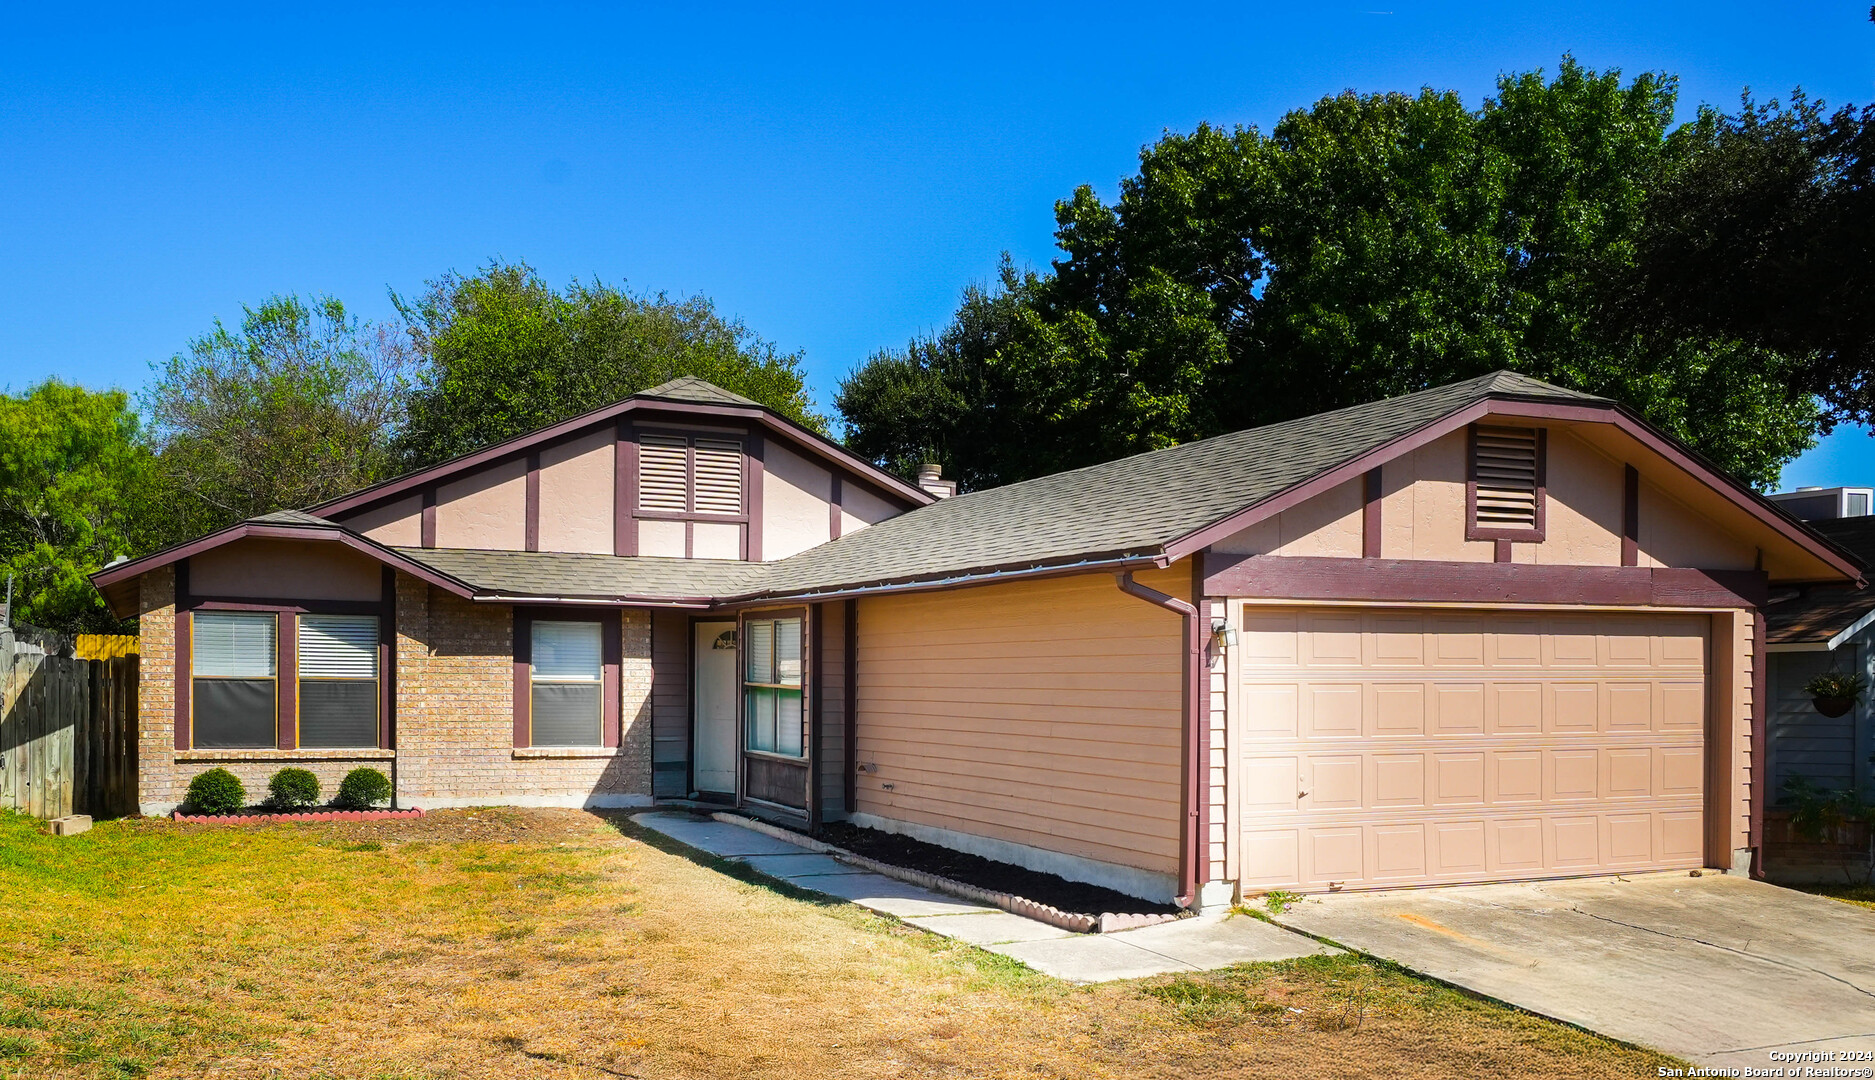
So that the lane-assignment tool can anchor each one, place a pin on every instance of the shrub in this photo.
(363, 787)
(293, 789)
(216, 791)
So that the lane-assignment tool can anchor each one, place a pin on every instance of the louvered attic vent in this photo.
(678, 475)
(1507, 471)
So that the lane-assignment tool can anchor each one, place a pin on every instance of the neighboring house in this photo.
(1494, 630)
(1810, 631)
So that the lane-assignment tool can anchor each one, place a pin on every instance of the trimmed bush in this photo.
(293, 789)
(216, 791)
(363, 787)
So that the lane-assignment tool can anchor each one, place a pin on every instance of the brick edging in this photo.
(318, 815)
(1078, 923)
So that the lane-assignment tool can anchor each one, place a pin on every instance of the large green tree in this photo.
(73, 480)
(300, 403)
(1368, 246)
(506, 353)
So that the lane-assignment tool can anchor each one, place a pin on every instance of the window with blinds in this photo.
(1507, 467)
(338, 680)
(232, 693)
(682, 475)
(772, 686)
(568, 677)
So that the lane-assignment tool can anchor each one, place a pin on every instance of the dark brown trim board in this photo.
(1631, 517)
(625, 490)
(286, 680)
(811, 709)
(426, 535)
(532, 503)
(185, 654)
(1406, 581)
(1370, 513)
(523, 677)
(836, 512)
(387, 661)
(1760, 772)
(752, 455)
(850, 702)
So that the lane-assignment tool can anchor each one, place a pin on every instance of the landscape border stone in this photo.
(317, 815)
(1075, 922)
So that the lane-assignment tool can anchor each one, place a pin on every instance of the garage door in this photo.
(1383, 747)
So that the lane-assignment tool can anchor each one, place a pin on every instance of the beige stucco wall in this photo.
(290, 569)
(1042, 713)
(399, 523)
(486, 509)
(860, 507)
(1422, 515)
(662, 538)
(576, 480)
(796, 497)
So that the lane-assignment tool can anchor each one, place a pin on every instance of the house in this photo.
(1811, 630)
(1493, 630)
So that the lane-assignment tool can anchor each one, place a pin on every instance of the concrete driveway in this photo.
(1717, 970)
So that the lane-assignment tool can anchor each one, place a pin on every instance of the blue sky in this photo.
(832, 175)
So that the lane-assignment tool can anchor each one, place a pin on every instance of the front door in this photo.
(714, 708)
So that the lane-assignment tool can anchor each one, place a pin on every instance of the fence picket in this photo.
(67, 728)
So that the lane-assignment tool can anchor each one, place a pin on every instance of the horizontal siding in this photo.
(1044, 713)
(1804, 742)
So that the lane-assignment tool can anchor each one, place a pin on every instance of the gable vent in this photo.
(663, 474)
(719, 477)
(1507, 464)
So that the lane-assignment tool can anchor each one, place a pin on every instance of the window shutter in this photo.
(788, 651)
(663, 474)
(566, 651)
(719, 477)
(760, 644)
(338, 646)
(1505, 465)
(233, 644)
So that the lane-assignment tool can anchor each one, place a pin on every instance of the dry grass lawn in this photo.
(1859, 895)
(543, 943)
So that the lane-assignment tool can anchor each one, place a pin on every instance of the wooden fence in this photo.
(68, 728)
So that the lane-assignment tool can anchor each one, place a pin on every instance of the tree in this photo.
(507, 354)
(300, 404)
(1369, 246)
(72, 477)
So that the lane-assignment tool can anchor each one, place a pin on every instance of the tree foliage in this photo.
(299, 404)
(1371, 245)
(72, 476)
(505, 353)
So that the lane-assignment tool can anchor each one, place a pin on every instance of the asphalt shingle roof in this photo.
(544, 574)
(1820, 613)
(1132, 506)
(691, 388)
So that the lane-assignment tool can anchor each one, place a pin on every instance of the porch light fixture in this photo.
(1222, 635)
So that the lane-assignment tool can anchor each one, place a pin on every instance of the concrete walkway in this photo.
(1719, 970)
(1197, 944)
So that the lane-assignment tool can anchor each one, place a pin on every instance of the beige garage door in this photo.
(1382, 747)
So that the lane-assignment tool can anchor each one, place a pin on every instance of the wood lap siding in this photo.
(1044, 713)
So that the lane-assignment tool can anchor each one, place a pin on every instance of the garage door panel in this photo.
(1390, 746)
(1397, 781)
(1515, 708)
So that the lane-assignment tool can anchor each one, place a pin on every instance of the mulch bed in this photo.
(1056, 892)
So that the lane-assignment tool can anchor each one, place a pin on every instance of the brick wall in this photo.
(455, 712)
(454, 716)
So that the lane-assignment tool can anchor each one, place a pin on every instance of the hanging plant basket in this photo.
(1834, 693)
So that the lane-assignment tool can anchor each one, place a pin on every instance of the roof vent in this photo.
(930, 478)
(1507, 469)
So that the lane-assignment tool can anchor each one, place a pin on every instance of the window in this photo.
(338, 680)
(233, 695)
(1506, 490)
(772, 685)
(683, 476)
(568, 676)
